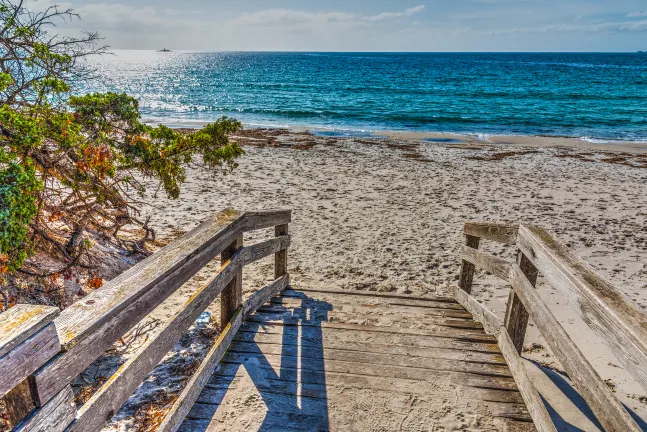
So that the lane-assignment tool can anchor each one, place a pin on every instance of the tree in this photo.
(69, 163)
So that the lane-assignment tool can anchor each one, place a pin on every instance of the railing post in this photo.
(281, 257)
(232, 296)
(516, 316)
(467, 268)
(28, 340)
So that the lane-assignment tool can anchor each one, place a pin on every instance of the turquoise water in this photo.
(597, 96)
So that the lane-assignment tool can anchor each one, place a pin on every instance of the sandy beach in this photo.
(387, 215)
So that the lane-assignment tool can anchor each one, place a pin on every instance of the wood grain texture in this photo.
(466, 274)
(109, 398)
(281, 258)
(232, 294)
(430, 358)
(255, 220)
(591, 387)
(497, 266)
(189, 395)
(535, 405)
(611, 314)
(266, 248)
(18, 403)
(490, 321)
(502, 233)
(291, 351)
(262, 296)
(182, 405)
(69, 364)
(390, 297)
(89, 327)
(55, 416)
(27, 357)
(516, 316)
(20, 322)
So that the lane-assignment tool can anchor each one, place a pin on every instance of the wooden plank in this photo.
(377, 319)
(89, 327)
(255, 220)
(313, 383)
(593, 389)
(361, 298)
(369, 342)
(534, 403)
(182, 405)
(490, 321)
(511, 411)
(498, 232)
(277, 421)
(22, 321)
(55, 416)
(516, 315)
(360, 358)
(430, 330)
(387, 311)
(27, 357)
(281, 258)
(266, 248)
(497, 266)
(109, 398)
(262, 296)
(419, 357)
(277, 388)
(190, 393)
(18, 403)
(271, 364)
(232, 294)
(376, 294)
(373, 319)
(466, 275)
(611, 314)
(362, 304)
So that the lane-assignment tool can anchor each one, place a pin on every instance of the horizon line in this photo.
(382, 52)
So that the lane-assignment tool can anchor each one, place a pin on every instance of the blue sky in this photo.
(366, 25)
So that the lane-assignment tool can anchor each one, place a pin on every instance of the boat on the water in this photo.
(164, 50)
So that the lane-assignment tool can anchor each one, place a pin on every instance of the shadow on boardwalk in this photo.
(295, 397)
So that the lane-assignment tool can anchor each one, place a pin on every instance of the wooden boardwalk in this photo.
(331, 360)
(326, 360)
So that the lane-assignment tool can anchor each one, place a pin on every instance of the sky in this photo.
(364, 25)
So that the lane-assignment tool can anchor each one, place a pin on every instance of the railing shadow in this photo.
(579, 402)
(295, 398)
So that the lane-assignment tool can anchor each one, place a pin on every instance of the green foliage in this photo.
(19, 188)
(68, 162)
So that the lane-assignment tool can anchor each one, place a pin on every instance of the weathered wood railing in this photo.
(615, 318)
(42, 350)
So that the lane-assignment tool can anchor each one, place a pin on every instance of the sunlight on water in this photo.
(599, 96)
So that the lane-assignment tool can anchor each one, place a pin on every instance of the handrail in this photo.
(89, 327)
(619, 321)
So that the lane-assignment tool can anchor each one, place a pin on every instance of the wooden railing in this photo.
(42, 349)
(614, 317)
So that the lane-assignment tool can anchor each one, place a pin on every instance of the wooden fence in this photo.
(42, 350)
(616, 319)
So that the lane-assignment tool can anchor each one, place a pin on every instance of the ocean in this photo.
(596, 96)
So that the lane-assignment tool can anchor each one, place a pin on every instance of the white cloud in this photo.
(637, 14)
(390, 15)
(130, 19)
(614, 27)
(286, 17)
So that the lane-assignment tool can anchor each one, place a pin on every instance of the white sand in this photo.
(387, 215)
